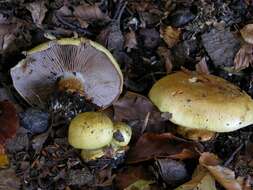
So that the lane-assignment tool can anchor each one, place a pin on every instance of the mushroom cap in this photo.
(202, 101)
(90, 130)
(35, 76)
(122, 134)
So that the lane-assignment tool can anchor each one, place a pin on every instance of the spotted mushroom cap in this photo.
(202, 101)
(90, 130)
(34, 77)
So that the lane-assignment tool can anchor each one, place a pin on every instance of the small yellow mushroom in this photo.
(94, 132)
(201, 101)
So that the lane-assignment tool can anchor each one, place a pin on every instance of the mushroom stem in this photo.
(71, 82)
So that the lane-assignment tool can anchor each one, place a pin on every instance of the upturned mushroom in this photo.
(203, 102)
(76, 65)
(94, 133)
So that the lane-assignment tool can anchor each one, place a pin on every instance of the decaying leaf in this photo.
(4, 161)
(171, 35)
(12, 34)
(139, 112)
(247, 33)
(172, 172)
(201, 180)
(201, 66)
(90, 13)
(244, 57)
(151, 145)
(140, 185)
(223, 175)
(166, 57)
(9, 121)
(9, 180)
(130, 40)
(38, 11)
(130, 175)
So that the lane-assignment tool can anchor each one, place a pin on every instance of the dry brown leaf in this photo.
(9, 121)
(38, 11)
(90, 13)
(165, 55)
(4, 161)
(151, 145)
(9, 180)
(247, 33)
(171, 35)
(130, 41)
(12, 34)
(130, 175)
(201, 66)
(140, 113)
(201, 180)
(223, 175)
(244, 57)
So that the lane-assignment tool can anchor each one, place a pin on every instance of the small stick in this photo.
(233, 155)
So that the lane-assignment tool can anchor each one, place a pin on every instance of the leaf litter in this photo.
(149, 39)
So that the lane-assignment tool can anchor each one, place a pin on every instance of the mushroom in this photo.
(94, 133)
(77, 64)
(201, 101)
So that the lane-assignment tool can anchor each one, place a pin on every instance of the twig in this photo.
(233, 155)
(121, 5)
(73, 26)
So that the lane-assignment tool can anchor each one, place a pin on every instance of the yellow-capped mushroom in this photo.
(201, 101)
(96, 135)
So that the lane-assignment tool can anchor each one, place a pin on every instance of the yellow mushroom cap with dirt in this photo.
(94, 131)
(201, 101)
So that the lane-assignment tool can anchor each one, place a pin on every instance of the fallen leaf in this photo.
(130, 175)
(166, 57)
(38, 11)
(171, 35)
(201, 180)
(140, 185)
(130, 40)
(244, 57)
(247, 33)
(223, 175)
(12, 34)
(201, 66)
(4, 161)
(172, 172)
(9, 121)
(90, 13)
(9, 180)
(140, 113)
(165, 145)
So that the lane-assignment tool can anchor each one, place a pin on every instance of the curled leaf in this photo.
(171, 35)
(223, 175)
(247, 33)
(244, 57)
(90, 13)
(166, 57)
(201, 66)
(38, 11)
(151, 145)
(201, 180)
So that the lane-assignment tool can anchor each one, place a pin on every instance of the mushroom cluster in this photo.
(94, 133)
(202, 102)
(71, 65)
